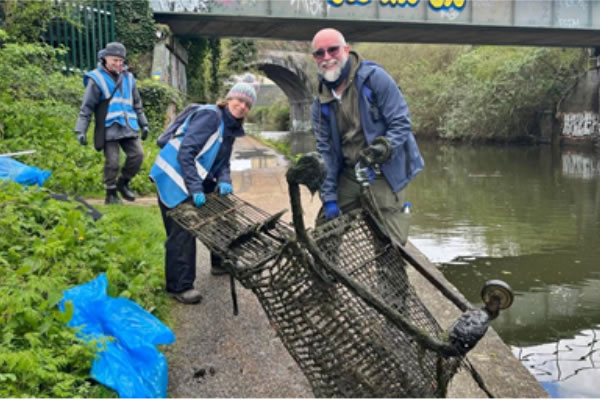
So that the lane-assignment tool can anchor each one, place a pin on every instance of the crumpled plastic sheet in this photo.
(21, 173)
(130, 364)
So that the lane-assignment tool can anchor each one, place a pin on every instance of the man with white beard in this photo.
(357, 102)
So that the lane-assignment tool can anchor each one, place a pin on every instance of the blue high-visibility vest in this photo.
(166, 171)
(120, 108)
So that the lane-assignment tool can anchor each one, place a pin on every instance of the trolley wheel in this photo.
(497, 293)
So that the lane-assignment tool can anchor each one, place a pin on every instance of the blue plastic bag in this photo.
(21, 173)
(130, 364)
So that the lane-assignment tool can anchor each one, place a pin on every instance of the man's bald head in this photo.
(329, 35)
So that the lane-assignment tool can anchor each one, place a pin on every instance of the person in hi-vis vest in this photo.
(195, 161)
(111, 94)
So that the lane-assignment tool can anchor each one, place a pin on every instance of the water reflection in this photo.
(580, 166)
(528, 216)
(245, 159)
(567, 367)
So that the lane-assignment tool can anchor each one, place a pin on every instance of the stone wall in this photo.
(578, 114)
(169, 63)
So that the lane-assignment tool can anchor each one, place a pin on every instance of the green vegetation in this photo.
(478, 93)
(25, 22)
(47, 246)
(275, 117)
(135, 28)
(204, 57)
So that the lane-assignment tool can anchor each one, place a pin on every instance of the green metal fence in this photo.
(85, 27)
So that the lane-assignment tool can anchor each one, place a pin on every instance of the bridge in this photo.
(564, 23)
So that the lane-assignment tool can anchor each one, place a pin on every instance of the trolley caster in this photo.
(496, 295)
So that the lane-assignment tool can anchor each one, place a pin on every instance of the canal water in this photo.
(531, 217)
(528, 215)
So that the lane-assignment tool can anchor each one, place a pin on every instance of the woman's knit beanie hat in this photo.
(243, 91)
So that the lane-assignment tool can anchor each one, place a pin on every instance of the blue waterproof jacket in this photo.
(199, 153)
(120, 108)
(383, 112)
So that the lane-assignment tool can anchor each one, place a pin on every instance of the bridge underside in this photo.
(204, 25)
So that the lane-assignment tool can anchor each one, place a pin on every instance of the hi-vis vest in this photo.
(166, 171)
(120, 108)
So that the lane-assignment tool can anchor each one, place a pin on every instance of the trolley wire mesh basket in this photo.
(338, 297)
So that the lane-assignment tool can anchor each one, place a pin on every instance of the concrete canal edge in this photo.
(502, 373)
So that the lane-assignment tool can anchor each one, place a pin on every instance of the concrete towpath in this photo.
(217, 354)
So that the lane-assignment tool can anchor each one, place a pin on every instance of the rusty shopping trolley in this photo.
(339, 296)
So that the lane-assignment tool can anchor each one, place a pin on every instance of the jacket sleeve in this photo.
(224, 172)
(202, 124)
(139, 108)
(393, 107)
(322, 130)
(91, 99)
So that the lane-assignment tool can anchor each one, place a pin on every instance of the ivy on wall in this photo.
(135, 28)
(202, 69)
(197, 50)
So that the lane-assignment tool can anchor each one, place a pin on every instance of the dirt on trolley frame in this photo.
(220, 355)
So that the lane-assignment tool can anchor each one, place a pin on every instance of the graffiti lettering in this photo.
(436, 5)
(401, 3)
(573, 3)
(450, 15)
(580, 124)
(338, 3)
(311, 6)
(447, 4)
(569, 22)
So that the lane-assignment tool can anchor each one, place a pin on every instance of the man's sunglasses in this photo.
(332, 51)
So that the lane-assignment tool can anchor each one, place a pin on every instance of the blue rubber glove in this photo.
(370, 174)
(199, 199)
(331, 210)
(225, 188)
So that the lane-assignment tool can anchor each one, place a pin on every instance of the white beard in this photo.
(331, 75)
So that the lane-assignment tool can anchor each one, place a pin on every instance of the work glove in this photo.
(370, 174)
(365, 174)
(82, 139)
(199, 199)
(331, 210)
(145, 131)
(225, 188)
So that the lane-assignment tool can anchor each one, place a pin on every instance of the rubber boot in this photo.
(112, 197)
(124, 189)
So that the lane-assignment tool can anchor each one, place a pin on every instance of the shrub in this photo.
(47, 246)
(273, 117)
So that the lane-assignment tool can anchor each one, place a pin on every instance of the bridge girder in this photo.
(213, 25)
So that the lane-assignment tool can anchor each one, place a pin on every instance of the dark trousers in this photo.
(180, 255)
(180, 251)
(134, 153)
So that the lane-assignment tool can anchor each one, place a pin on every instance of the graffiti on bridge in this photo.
(437, 5)
(581, 124)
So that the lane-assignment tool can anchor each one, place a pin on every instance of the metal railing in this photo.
(85, 27)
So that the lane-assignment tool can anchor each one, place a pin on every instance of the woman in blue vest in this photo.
(112, 96)
(194, 162)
